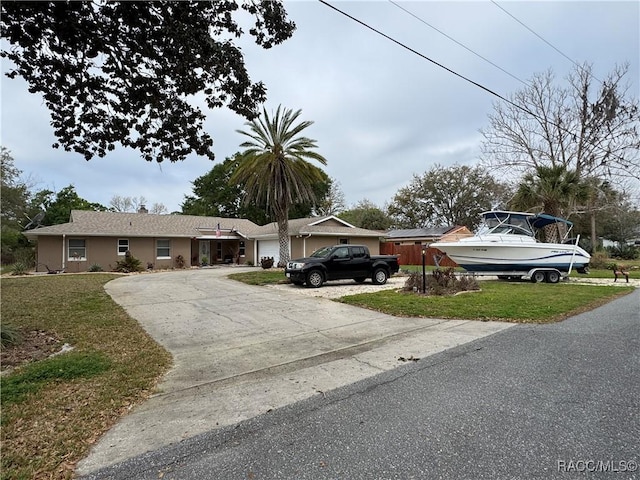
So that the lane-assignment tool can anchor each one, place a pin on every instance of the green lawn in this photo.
(497, 300)
(54, 410)
(507, 301)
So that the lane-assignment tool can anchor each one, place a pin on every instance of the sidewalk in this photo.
(240, 351)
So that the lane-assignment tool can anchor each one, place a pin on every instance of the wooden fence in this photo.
(412, 254)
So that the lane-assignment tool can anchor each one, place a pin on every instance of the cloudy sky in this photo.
(380, 112)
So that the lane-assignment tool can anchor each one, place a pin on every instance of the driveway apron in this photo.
(240, 351)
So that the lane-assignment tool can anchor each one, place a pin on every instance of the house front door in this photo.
(205, 252)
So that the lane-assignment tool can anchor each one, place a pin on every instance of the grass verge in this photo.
(53, 410)
(261, 277)
(523, 302)
(505, 301)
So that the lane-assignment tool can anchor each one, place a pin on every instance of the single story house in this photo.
(102, 238)
(425, 236)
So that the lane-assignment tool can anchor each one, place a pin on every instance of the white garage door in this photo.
(269, 248)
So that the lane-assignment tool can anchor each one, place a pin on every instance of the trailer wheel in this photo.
(537, 277)
(553, 276)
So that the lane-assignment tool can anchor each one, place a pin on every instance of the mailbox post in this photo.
(424, 274)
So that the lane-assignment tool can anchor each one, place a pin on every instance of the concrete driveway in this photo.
(240, 351)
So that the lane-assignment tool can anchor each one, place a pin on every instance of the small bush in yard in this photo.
(9, 335)
(599, 260)
(95, 268)
(129, 264)
(441, 282)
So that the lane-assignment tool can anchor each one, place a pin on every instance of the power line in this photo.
(457, 42)
(406, 47)
(542, 38)
(486, 89)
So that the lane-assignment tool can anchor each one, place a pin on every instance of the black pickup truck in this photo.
(341, 262)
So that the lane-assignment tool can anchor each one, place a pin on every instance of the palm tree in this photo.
(553, 190)
(274, 171)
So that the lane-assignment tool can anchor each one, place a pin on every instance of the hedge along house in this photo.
(102, 238)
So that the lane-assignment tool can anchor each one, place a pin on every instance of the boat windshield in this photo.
(322, 252)
(505, 224)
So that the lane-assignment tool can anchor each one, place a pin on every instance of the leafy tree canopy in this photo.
(365, 214)
(445, 196)
(58, 206)
(125, 72)
(14, 192)
(215, 195)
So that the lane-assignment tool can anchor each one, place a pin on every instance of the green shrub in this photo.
(599, 260)
(129, 264)
(20, 268)
(9, 335)
(180, 262)
(623, 251)
(440, 282)
(96, 268)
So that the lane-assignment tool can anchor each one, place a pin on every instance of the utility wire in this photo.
(486, 89)
(457, 42)
(543, 39)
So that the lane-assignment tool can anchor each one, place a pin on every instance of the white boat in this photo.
(507, 245)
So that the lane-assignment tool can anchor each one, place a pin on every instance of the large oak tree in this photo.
(128, 72)
(588, 126)
(447, 196)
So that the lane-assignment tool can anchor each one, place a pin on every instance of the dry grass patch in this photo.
(67, 406)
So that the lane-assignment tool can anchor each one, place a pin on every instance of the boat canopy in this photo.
(541, 220)
(536, 220)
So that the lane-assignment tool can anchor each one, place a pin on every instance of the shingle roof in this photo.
(328, 225)
(109, 224)
(418, 232)
(90, 223)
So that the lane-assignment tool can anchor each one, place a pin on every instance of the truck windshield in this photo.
(322, 252)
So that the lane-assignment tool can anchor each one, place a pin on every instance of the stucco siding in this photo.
(303, 247)
(49, 254)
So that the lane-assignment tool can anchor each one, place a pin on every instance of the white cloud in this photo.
(380, 113)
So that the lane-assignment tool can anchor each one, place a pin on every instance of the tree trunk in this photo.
(283, 239)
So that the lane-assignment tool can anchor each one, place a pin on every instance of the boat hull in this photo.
(517, 257)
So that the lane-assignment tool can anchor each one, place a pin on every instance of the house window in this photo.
(123, 246)
(77, 249)
(163, 248)
(241, 250)
(343, 241)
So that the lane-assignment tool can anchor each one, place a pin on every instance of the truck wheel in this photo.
(315, 279)
(380, 276)
(537, 277)
(553, 277)
(360, 279)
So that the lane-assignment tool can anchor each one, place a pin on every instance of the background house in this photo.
(408, 244)
(103, 238)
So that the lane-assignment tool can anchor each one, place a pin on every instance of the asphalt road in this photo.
(533, 401)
